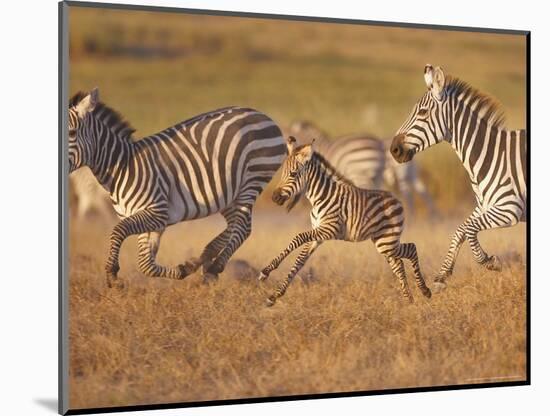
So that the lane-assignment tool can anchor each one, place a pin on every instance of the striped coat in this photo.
(494, 157)
(340, 211)
(217, 162)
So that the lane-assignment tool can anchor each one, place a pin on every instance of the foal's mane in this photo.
(332, 171)
(111, 118)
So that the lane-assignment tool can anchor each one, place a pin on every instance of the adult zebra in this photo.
(366, 161)
(494, 157)
(215, 162)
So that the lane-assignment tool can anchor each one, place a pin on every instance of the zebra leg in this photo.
(148, 246)
(305, 253)
(398, 270)
(494, 218)
(408, 251)
(448, 265)
(240, 227)
(213, 248)
(317, 234)
(147, 220)
(393, 250)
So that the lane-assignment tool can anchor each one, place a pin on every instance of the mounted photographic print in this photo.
(262, 208)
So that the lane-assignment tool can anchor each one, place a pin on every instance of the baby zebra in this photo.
(340, 211)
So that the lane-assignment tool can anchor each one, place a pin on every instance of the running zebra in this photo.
(340, 211)
(215, 162)
(494, 157)
(366, 161)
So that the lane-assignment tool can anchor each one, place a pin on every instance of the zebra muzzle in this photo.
(399, 152)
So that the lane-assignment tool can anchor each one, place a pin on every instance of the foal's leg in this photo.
(305, 253)
(398, 270)
(318, 234)
(408, 251)
(390, 250)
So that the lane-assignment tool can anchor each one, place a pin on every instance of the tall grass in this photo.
(342, 325)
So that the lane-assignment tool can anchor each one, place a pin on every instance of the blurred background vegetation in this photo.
(160, 68)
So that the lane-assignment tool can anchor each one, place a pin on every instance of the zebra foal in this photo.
(340, 211)
(215, 162)
(495, 158)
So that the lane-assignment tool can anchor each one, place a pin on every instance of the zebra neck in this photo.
(473, 139)
(111, 158)
(321, 181)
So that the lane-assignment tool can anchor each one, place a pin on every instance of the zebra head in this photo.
(427, 124)
(80, 141)
(292, 183)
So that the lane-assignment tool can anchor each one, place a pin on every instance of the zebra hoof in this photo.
(427, 292)
(113, 282)
(270, 301)
(189, 267)
(262, 276)
(208, 278)
(439, 286)
(493, 264)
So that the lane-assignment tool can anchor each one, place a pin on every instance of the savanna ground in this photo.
(342, 325)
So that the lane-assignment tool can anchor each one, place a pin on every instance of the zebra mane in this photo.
(331, 170)
(491, 109)
(109, 117)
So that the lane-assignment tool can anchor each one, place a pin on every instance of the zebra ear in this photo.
(438, 82)
(290, 142)
(88, 103)
(428, 75)
(305, 153)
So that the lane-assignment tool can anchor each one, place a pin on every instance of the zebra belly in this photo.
(185, 205)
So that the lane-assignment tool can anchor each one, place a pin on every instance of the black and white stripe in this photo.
(494, 157)
(340, 211)
(215, 162)
(366, 161)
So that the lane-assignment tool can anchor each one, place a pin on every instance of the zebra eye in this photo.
(423, 112)
(293, 174)
(72, 133)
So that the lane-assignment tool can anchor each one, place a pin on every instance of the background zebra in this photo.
(366, 161)
(89, 196)
(494, 157)
(340, 211)
(215, 162)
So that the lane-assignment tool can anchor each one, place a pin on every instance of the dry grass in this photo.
(346, 329)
